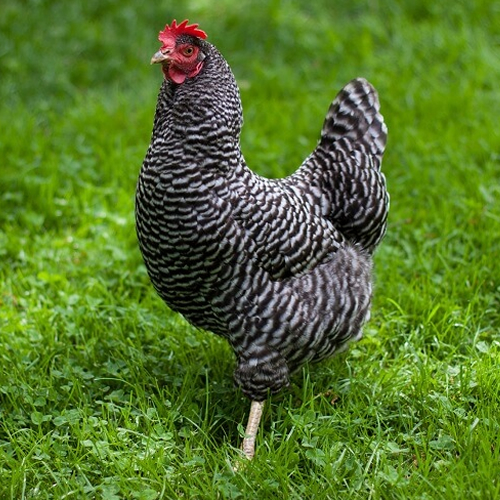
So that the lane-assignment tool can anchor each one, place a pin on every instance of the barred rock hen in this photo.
(280, 268)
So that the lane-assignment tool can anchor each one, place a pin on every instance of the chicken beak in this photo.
(160, 57)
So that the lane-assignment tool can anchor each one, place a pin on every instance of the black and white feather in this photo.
(280, 268)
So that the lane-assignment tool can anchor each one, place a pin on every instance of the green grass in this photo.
(105, 394)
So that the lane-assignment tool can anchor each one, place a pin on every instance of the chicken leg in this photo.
(248, 445)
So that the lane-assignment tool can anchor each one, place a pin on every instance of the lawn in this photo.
(106, 394)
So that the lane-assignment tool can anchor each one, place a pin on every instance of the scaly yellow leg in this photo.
(248, 445)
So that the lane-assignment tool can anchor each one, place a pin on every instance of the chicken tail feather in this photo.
(354, 122)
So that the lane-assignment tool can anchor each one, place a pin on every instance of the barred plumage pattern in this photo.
(280, 268)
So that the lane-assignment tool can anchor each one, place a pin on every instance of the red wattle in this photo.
(176, 75)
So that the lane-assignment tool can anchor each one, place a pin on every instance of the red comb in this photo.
(170, 33)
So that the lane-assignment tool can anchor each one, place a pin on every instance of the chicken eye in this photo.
(188, 51)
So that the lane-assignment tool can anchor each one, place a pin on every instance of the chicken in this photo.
(280, 268)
